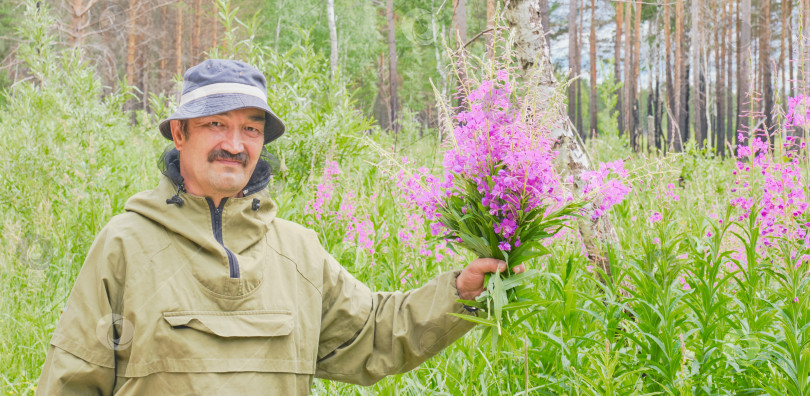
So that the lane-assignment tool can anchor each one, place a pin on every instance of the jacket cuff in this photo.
(467, 308)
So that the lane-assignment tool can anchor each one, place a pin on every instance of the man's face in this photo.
(220, 152)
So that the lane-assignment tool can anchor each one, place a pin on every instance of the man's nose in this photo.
(233, 141)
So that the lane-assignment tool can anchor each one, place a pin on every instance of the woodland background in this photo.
(677, 68)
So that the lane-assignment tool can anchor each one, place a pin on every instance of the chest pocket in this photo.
(222, 342)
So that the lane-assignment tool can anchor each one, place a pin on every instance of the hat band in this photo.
(222, 88)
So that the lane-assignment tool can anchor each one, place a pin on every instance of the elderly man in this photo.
(199, 289)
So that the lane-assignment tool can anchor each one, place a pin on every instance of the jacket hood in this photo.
(245, 220)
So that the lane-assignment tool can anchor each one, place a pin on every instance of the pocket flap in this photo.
(234, 324)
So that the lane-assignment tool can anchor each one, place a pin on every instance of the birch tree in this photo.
(533, 57)
(333, 40)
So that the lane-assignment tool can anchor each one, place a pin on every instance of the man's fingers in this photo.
(487, 265)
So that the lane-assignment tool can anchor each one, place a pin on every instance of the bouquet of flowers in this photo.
(499, 196)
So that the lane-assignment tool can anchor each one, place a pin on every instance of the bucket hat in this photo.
(216, 86)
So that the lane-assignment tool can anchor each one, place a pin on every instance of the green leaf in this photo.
(475, 319)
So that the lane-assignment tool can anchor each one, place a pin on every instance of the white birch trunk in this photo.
(533, 57)
(333, 39)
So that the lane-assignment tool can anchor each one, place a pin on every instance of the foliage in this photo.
(608, 90)
(70, 161)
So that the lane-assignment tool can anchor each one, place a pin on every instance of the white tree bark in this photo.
(532, 53)
(333, 55)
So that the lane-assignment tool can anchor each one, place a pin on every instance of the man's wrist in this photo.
(458, 294)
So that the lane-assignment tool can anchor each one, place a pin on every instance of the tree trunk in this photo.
(572, 60)
(656, 73)
(617, 65)
(532, 55)
(720, 34)
(730, 111)
(738, 76)
(592, 103)
(392, 70)
(580, 125)
(636, 113)
(195, 38)
(460, 36)
(164, 43)
(439, 68)
(694, 62)
(132, 33)
(178, 40)
(790, 47)
(683, 75)
(545, 17)
(141, 69)
(804, 66)
(745, 62)
(214, 26)
(657, 114)
(79, 12)
(627, 101)
(333, 54)
(460, 22)
(765, 64)
(781, 66)
(491, 26)
(671, 104)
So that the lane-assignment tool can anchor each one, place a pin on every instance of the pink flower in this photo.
(655, 217)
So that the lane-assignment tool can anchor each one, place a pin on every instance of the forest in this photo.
(645, 159)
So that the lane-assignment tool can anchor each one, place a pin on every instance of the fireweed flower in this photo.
(499, 195)
(606, 186)
(798, 113)
(777, 184)
(323, 191)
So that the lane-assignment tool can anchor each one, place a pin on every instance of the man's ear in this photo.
(177, 134)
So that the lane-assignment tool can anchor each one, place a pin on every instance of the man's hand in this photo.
(470, 283)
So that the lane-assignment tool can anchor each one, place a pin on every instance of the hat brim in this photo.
(222, 103)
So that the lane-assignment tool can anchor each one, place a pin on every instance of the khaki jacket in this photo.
(166, 305)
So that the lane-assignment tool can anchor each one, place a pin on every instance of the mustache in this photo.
(224, 155)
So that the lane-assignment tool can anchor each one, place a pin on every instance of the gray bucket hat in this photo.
(216, 86)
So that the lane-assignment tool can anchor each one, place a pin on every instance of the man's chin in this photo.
(228, 184)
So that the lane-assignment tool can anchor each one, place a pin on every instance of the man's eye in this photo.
(215, 123)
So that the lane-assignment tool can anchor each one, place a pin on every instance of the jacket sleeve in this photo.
(80, 359)
(366, 336)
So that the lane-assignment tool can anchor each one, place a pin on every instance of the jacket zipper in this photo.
(216, 223)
